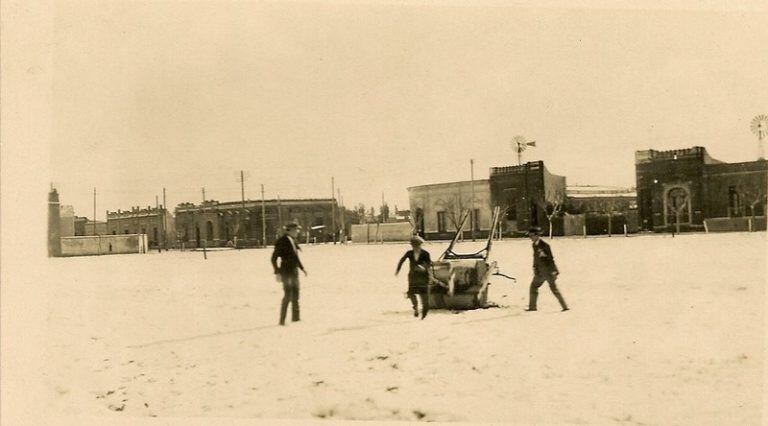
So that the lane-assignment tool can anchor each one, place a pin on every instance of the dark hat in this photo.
(292, 225)
(416, 240)
(534, 230)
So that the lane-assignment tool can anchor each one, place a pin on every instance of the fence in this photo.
(734, 224)
(380, 232)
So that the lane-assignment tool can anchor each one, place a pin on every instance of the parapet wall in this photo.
(695, 152)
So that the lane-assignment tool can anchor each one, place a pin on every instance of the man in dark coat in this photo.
(544, 269)
(287, 272)
(418, 275)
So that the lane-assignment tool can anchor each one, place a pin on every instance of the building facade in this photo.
(86, 227)
(218, 224)
(524, 193)
(600, 199)
(436, 209)
(156, 223)
(67, 220)
(686, 186)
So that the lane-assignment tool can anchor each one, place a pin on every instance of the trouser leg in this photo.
(556, 292)
(290, 295)
(414, 303)
(424, 304)
(534, 292)
(295, 300)
(284, 303)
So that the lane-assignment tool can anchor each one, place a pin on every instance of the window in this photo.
(441, 224)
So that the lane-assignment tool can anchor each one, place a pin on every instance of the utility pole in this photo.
(94, 211)
(333, 209)
(165, 210)
(241, 217)
(341, 217)
(263, 219)
(157, 210)
(242, 188)
(472, 203)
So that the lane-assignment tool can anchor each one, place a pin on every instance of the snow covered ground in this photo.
(662, 331)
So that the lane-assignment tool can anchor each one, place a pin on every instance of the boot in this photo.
(532, 301)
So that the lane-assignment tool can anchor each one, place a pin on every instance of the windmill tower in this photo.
(759, 127)
(519, 144)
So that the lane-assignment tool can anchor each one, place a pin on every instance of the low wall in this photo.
(377, 232)
(734, 224)
(104, 244)
(597, 224)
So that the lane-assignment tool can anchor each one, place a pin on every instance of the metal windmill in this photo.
(759, 127)
(519, 144)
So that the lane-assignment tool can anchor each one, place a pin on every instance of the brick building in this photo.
(85, 227)
(219, 223)
(525, 192)
(437, 208)
(156, 223)
(688, 186)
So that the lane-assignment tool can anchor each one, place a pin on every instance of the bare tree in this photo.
(754, 196)
(608, 206)
(678, 202)
(552, 207)
(454, 211)
(359, 213)
(384, 213)
(415, 220)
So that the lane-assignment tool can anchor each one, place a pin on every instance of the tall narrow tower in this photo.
(54, 224)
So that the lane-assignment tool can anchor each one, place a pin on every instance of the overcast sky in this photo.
(183, 95)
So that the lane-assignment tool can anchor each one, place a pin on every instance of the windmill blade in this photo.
(759, 124)
(518, 143)
(531, 143)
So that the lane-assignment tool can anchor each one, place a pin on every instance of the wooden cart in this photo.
(460, 281)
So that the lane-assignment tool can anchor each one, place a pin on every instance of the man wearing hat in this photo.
(418, 275)
(544, 269)
(287, 249)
